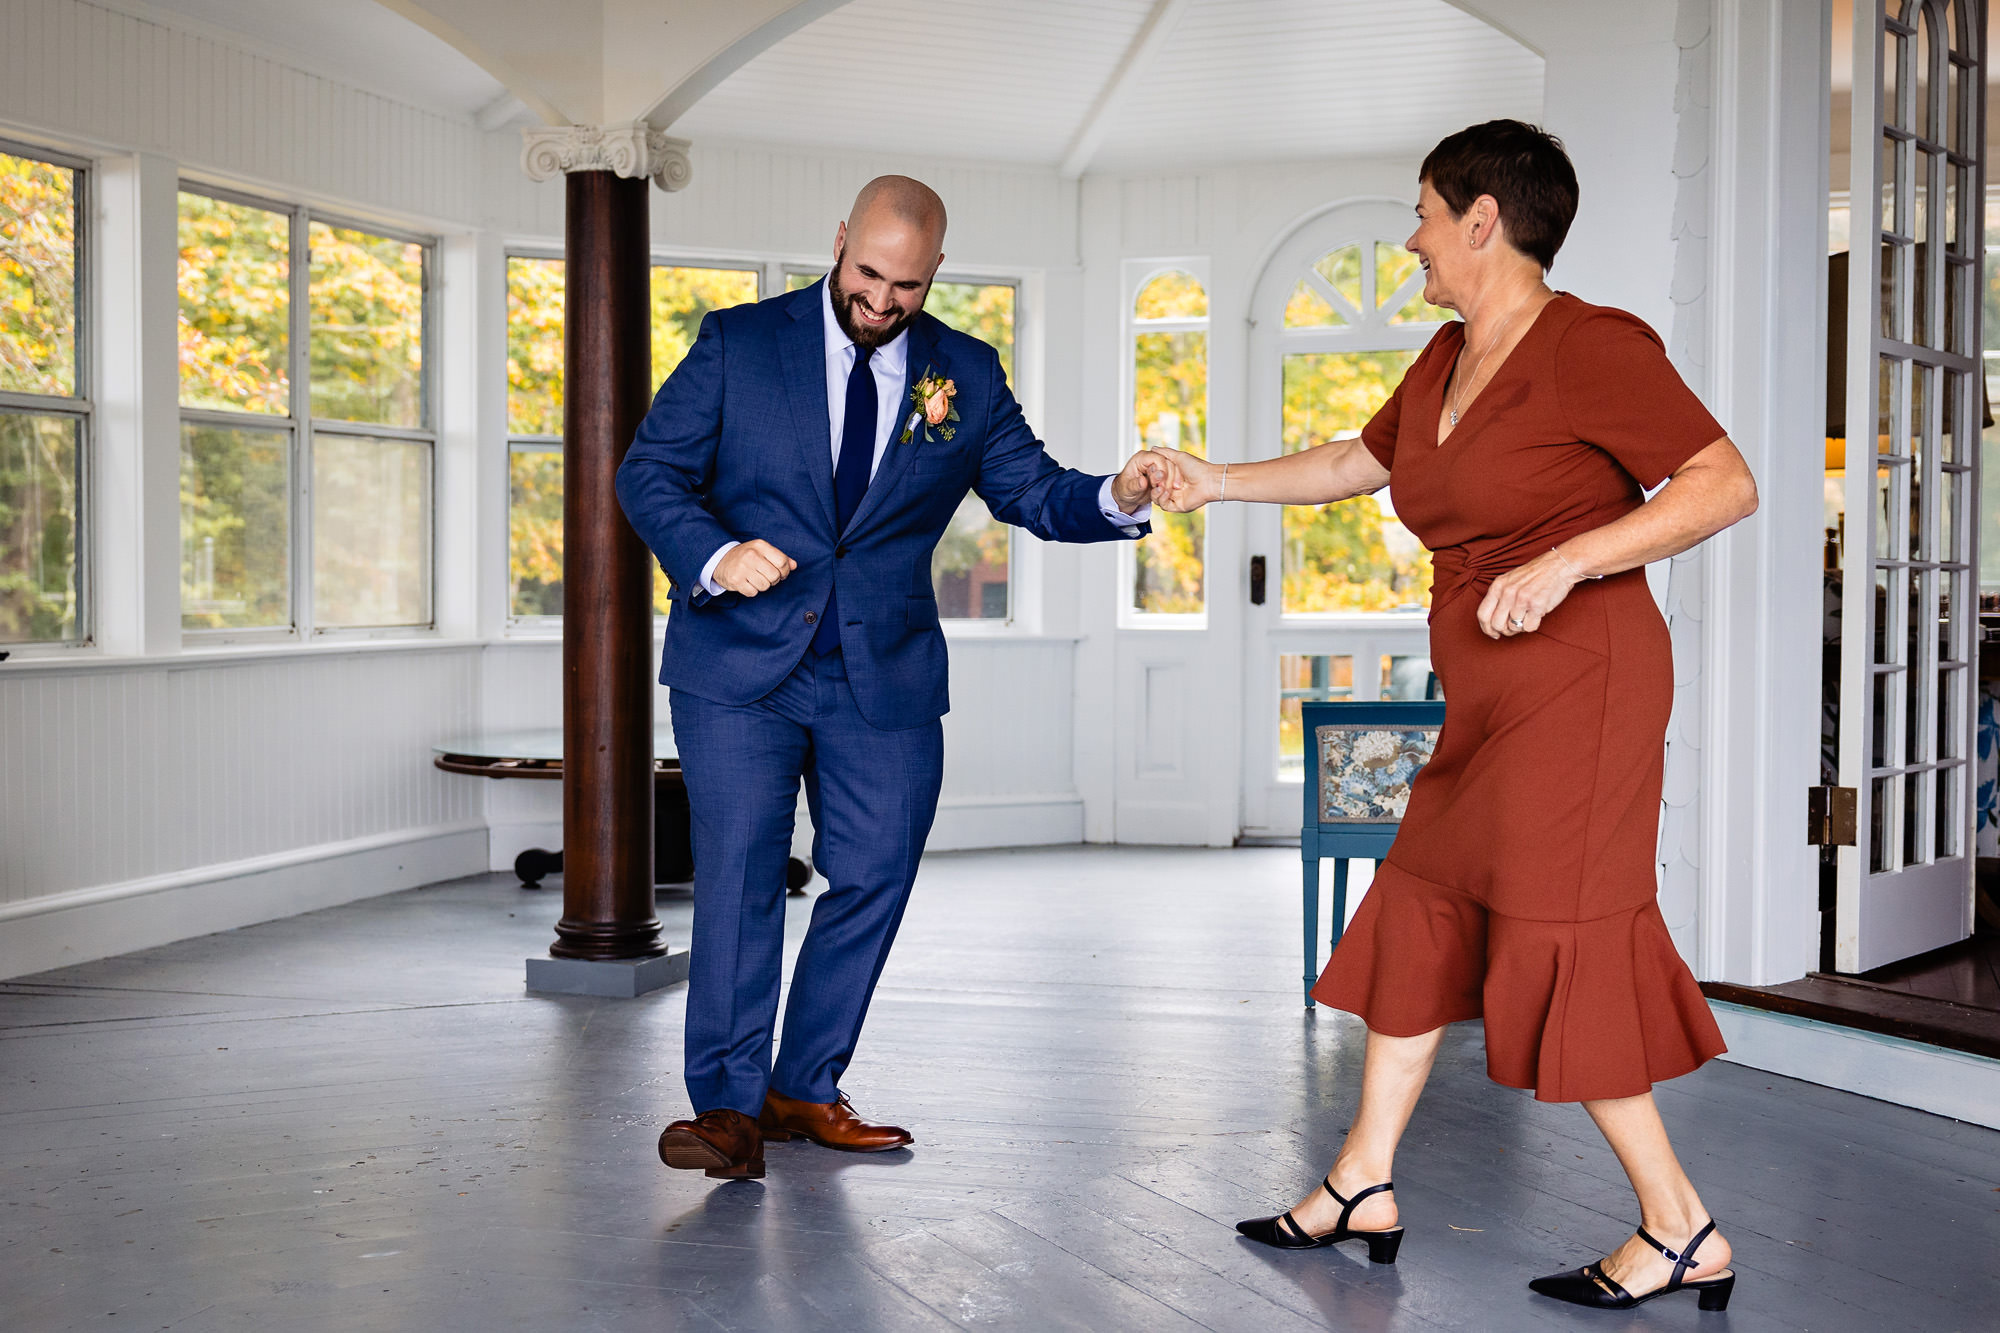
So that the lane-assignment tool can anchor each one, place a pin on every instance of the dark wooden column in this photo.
(607, 580)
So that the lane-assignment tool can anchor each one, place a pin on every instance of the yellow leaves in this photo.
(37, 276)
(1175, 294)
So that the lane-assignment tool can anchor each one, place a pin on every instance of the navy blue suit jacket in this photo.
(736, 448)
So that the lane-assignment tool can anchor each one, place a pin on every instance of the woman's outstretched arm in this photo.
(1326, 472)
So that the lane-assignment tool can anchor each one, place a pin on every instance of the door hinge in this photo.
(1831, 816)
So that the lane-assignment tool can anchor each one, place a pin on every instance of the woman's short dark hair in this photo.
(1526, 171)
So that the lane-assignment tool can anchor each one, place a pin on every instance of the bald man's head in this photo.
(900, 201)
(885, 256)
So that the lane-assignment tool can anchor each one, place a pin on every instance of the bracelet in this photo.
(1572, 568)
(1224, 492)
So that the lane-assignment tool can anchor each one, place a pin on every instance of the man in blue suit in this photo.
(793, 477)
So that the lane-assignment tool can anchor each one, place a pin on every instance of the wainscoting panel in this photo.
(132, 780)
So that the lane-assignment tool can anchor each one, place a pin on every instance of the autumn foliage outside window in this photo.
(357, 311)
(1353, 325)
(1170, 409)
(44, 414)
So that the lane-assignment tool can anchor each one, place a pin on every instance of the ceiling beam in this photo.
(1152, 35)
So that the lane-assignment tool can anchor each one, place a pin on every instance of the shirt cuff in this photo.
(1118, 517)
(708, 583)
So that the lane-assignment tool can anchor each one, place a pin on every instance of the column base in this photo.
(615, 978)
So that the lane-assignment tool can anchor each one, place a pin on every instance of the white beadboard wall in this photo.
(100, 79)
(125, 785)
(1009, 778)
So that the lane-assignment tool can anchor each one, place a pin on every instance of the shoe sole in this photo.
(787, 1135)
(685, 1151)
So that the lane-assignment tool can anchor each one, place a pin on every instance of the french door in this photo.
(1338, 594)
(1909, 642)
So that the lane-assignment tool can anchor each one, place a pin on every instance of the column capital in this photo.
(634, 150)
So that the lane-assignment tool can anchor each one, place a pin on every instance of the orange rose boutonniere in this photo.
(931, 401)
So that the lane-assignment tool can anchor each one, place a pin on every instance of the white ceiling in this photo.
(1234, 80)
(356, 42)
(1001, 80)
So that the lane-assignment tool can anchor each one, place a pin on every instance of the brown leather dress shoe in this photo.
(829, 1124)
(725, 1144)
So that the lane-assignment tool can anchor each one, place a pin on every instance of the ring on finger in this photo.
(1517, 622)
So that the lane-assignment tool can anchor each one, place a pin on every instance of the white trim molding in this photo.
(633, 151)
(59, 930)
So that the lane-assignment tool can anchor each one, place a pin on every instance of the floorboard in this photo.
(357, 1120)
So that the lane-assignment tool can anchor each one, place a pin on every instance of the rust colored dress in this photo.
(1522, 887)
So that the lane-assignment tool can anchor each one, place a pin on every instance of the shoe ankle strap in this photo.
(1685, 1259)
(1347, 1205)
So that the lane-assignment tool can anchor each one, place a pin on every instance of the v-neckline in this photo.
(1440, 436)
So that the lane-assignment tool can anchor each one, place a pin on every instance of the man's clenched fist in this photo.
(753, 567)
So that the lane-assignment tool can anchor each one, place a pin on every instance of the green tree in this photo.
(38, 453)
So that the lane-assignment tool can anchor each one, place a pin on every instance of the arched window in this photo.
(1355, 320)
(1169, 341)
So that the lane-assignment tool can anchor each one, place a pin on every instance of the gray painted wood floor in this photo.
(356, 1120)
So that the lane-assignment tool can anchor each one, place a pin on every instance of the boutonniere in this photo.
(931, 402)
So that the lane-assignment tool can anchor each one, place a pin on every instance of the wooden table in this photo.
(538, 755)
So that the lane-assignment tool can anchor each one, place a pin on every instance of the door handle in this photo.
(1256, 580)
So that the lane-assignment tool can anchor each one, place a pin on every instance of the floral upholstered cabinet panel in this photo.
(1366, 770)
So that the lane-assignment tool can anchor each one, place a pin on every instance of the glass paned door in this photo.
(1339, 317)
(1908, 638)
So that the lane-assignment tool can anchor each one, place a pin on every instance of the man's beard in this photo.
(843, 313)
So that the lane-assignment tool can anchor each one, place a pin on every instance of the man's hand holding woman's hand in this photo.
(1190, 482)
(1143, 481)
(753, 567)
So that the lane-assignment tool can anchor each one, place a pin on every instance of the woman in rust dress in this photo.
(1521, 888)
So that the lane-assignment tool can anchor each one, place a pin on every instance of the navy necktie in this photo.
(850, 476)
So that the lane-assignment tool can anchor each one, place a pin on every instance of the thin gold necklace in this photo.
(1519, 306)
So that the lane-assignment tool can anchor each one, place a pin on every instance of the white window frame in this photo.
(79, 406)
(302, 426)
(1138, 273)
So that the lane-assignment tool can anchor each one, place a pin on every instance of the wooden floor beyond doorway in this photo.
(1948, 997)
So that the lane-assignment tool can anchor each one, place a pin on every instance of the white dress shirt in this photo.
(891, 366)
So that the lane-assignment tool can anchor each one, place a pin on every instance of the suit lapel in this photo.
(924, 356)
(803, 350)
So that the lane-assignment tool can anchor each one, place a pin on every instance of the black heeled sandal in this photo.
(1592, 1286)
(1284, 1232)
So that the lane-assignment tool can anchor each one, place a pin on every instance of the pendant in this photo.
(1454, 415)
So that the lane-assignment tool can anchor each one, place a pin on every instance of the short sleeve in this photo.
(1619, 392)
(1379, 435)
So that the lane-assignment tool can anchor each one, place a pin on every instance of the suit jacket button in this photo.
(812, 617)
(840, 553)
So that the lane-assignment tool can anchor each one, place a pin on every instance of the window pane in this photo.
(535, 347)
(681, 296)
(236, 527)
(1172, 295)
(1342, 270)
(534, 533)
(367, 343)
(371, 531)
(1354, 555)
(38, 489)
(969, 568)
(796, 281)
(1170, 407)
(235, 276)
(1304, 677)
(37, 276)
(1395, 266)
(1307, 309)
